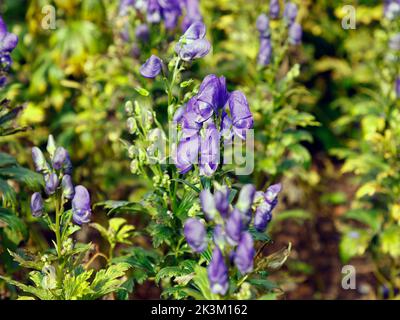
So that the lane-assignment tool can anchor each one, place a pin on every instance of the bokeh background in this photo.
(73, 82)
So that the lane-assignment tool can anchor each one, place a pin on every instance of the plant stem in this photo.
(57, 228)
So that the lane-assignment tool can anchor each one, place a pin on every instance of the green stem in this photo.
(172, 83)
(57, 228)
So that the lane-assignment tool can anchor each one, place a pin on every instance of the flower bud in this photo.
(234, 226)
(195, 234)
(246, 198)
(208, 204)
(59, 158)
(51, 183)
(131, 125)
(67, 187)
(129, 107)
(218, 273)
(39, 160)
(37, 204)
(245, 253)
(81, 205)
(51, 145)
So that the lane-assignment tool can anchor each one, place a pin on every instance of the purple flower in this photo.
(39, 160)
(211, 97)
(271, 195)
(295, 34)
(37, 204)
(226, 127)
(142, 33)
(152, 67)
(67, 187)
(209, 151)
(192, 13)
(246, 198)
(207, 203)
(153, 11)
(60, 156)
(265, 52)
(81, 205)
(245, 253)
(192, 44)
(394, 42)
(397, 88)
(392, 9)
(218, 273)
(8, 41)
(221, 198)
(124, 6)
(51, 183)
(290, 12)
(234, 227)
(187, 153)
(219, 235)
(262, 25)
(274, 9)
(262, 216)
(195, 234)
(242, 119)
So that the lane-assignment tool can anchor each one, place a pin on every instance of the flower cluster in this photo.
(168, 11)
(8, 42)
(58, 182)
(232, 241)
(262, 24)
(391, 9)
(199, 119)
(192, 45)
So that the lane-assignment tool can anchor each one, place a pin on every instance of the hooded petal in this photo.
(245, 253)
(242, 119)
(218, 273)
(210, 151)
(152, 67)
(37, 204)
(195, 234)
(262, 25)
(81, 205)
(234, 227)
(194, 50)
(187, 153)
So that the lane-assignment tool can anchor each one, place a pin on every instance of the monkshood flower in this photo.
(391, 9)
(221, 199)
(295, 34)
(59, 158)
(124, 6)
(397, 88)
(290, 12)
(274, 9)
(244, 254)
(168, 11)
(265, 52)
(209, 157)
(37, 204)
(394, 42)
(39, 160)
(8, 42)
(142, 33)
(234, 227)
(262, 25)
(51, 183)
(267, 202)
(152, 67)
(192, 45)
(192, 15)
(81, 205)
(67, 187)
(195, 234)
(208, 204)
(212, 104)
(246, 198)
(242, 119)
(218, 273)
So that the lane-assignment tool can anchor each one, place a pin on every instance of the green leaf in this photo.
(168, 272)
(369, 217)
(354, 242)
(390, 241)
(17, 227)
(200, 281)
(108, 280)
